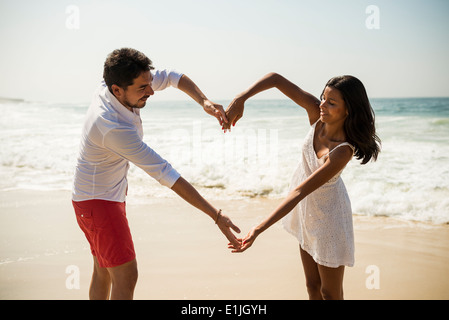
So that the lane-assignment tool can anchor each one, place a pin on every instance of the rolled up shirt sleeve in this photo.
(126, 143)
(165, 78)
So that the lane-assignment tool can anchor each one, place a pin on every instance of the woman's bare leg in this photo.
(313, 280)
(322, 282)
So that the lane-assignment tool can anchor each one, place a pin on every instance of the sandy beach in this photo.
(182, 255)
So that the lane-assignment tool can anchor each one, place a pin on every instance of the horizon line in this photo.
(18, 100)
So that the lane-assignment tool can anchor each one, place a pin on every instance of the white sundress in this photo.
(322, 221)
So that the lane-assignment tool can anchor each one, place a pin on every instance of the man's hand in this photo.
(187, 192)
(188, 86)
(215, 110)
(225, 224)
(244, 243)
(234, 112)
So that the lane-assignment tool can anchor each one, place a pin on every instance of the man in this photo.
(112, 136)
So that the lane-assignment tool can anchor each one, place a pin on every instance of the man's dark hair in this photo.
(122, 66)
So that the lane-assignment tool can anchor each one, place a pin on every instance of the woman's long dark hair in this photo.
(359, 124)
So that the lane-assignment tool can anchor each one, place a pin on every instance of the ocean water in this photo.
(410, 180)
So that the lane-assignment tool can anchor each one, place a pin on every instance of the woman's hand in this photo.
(234, 112)
(246, 242)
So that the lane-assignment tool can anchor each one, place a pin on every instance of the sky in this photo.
(53, 51)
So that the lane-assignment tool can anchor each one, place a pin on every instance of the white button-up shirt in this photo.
(111, 137)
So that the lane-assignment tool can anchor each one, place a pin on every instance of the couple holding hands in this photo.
(316, 210)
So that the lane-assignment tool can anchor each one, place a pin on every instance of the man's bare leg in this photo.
(100, 285)
(124, 279)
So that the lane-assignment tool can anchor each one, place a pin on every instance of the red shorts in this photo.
(106, 228)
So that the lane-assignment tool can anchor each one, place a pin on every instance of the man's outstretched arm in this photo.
(186, 191)
(190, 88)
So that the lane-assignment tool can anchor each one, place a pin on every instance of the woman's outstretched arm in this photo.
(335, 163)
(273, 80)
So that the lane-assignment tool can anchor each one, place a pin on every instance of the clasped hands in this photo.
(227, 119)
(236, 244)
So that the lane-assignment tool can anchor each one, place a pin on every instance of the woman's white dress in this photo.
(322, 221)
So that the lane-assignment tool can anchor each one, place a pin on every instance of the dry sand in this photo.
(182, 255)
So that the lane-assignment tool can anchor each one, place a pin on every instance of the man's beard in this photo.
(136, 105)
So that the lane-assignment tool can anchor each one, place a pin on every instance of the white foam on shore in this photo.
(410, 180)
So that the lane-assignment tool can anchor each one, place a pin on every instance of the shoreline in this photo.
(182, 255)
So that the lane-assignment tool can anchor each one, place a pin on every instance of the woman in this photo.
(317, 209)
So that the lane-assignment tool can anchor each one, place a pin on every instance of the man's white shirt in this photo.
(111, 138)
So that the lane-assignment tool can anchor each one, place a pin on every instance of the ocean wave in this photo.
(440, 122)
(256, 160)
